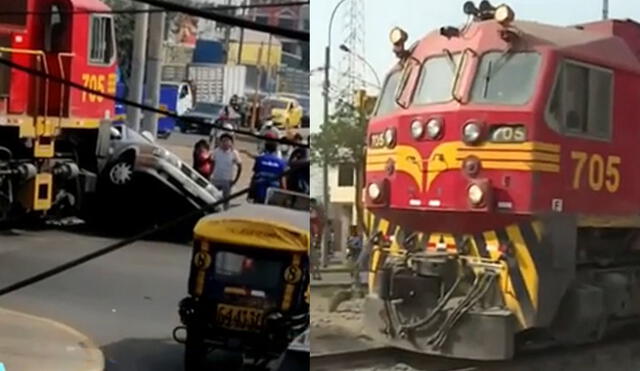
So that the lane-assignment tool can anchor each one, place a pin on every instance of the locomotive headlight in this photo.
(471, 133)
(434, 128)
(390, 137)
(374, 191)
(417, 129)
(504, 15)
(475, 194)
(398, 36)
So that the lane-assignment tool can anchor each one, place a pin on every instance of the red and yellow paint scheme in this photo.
(49, 131)
(503, 152)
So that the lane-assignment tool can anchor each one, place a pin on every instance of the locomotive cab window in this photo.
(506, 78)
(581, 102)
(102, 43)
(387, 103)
(436, 81)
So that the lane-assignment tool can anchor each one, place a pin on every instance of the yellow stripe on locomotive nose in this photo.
(406, 159)
(525, 263)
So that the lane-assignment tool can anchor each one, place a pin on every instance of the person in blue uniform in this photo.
(267, 173)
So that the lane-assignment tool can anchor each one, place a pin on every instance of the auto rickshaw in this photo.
(249, 282)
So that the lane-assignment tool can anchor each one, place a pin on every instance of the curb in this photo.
(84, 339)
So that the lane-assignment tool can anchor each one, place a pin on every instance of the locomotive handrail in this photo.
(41, 57)
(62, 86)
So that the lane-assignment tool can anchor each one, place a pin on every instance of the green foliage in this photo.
(342, 139)
(125, 26)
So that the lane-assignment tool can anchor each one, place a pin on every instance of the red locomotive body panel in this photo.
(61, 38)
(553, 169)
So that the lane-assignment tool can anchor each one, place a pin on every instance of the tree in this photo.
(125, 26)
(342, 140)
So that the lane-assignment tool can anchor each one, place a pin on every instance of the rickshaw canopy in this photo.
(258, 226)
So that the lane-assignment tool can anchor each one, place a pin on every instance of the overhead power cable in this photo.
(155, 10)
(119, 245)
(127, 102)
(230, 20)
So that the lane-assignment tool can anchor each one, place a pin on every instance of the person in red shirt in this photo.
(202, 159)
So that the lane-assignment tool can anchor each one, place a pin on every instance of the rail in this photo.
(620, 352)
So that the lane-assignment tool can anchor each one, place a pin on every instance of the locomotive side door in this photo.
(54, 27)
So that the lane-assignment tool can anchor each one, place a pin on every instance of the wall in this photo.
(251, 52)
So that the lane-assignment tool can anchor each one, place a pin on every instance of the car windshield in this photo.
(506, 78)
(210, 108)
(437, 77)
(276, 104)
(238, 269)
(387, 100)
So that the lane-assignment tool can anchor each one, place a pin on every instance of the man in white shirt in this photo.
(225, 159)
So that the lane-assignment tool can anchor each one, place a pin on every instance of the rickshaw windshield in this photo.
(238, 269)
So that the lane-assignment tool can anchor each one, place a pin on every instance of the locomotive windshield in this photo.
(436, 80)
(387, 102)
(506, 78)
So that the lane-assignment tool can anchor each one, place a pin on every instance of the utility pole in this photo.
(227, 37)
(605, 9)
(136, 80)
(241, 43)
(154, 70)
(255, 111)
(324, 256)
(269, 61)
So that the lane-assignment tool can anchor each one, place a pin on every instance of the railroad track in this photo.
(614, 355)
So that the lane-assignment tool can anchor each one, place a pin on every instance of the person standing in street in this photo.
(298, 179)
(202, 161)
(268, 171)
(225, 160)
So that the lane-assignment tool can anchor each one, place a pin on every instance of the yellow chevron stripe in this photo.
(538, 229)
(525, 263)
(508, 293)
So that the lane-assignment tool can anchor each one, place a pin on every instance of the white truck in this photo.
(217, 83)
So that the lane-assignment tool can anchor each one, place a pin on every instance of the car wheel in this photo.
(120, 173)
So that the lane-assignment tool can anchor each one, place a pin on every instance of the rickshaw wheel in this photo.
(195, 351)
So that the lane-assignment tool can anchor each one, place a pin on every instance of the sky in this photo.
(418, 17)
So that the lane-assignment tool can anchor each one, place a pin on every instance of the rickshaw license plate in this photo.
(239, 318)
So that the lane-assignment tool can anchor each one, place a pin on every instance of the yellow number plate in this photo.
(239, 318)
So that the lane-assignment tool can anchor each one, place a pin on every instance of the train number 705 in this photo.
(599, 174)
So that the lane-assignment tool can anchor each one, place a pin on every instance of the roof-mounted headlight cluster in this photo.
(503, 14)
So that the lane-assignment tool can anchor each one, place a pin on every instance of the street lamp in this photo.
(325, 166)
(346, 49)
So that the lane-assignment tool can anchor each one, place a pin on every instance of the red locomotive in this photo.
(49, 132)
(501, 202)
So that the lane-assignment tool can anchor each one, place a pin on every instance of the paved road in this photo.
(126, 302)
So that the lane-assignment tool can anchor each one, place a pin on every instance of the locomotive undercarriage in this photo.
(55, 186)
(490, 297)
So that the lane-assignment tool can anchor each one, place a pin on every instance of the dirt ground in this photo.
(341, 330)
